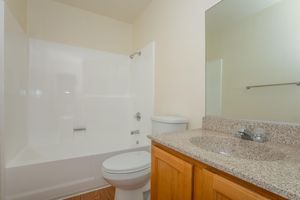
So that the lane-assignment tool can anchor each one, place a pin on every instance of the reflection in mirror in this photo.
(253, 43)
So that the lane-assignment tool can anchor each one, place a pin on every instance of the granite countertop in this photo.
(279, 175)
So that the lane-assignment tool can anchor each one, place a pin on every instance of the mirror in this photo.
(253, 60)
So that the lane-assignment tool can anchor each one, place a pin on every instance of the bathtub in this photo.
(55, 171)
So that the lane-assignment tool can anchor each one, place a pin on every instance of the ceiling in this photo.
(229, 12)
(123, 10)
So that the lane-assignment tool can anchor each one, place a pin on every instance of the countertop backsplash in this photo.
(278, 132)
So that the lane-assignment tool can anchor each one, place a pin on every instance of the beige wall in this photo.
(52, 21)
(18, 8)
(262, 49)
(2, 155)
(16, 81)
(178, 29)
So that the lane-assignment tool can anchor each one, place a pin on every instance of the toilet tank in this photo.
(168, 124)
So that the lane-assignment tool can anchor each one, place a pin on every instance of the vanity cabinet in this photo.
(179, 177)
(171, 176)
(219, 188)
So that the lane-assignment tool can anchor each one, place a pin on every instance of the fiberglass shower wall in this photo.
(65, 69)
(16, 72)
(142, 88)
(98, 92)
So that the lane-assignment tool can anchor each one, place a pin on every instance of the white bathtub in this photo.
(55, 171)
(72, 87)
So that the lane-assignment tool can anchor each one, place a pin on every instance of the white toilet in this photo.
(130, 172)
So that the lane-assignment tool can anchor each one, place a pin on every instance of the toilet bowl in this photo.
(129, 173)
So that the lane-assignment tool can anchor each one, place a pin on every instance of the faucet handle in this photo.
(240, 132)
(259, 135)
(138, 116)
(243, 130)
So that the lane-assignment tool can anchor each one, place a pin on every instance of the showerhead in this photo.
(139, 53)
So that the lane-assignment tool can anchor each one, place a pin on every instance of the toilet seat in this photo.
(126, 177)
(127, 163)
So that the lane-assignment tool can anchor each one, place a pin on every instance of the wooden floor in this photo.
(101, 194)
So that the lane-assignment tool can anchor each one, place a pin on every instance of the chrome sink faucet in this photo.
(257, 136)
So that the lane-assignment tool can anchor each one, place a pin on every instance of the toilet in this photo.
(130, 172)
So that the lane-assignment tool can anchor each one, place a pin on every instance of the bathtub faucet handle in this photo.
(138, 116)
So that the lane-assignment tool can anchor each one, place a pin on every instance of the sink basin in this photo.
(237, 148)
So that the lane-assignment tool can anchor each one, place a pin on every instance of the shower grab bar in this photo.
(271, 85)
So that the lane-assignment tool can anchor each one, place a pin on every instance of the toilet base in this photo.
(142, 193)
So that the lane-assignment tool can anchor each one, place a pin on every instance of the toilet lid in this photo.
(127, 162)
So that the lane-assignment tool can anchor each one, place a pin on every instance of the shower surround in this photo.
(81, 105)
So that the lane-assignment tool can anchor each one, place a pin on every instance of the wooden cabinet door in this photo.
(171, 177)
(216, 187)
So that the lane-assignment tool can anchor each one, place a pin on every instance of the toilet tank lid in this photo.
(170, 119)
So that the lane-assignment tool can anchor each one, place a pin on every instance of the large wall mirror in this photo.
(253, 60)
